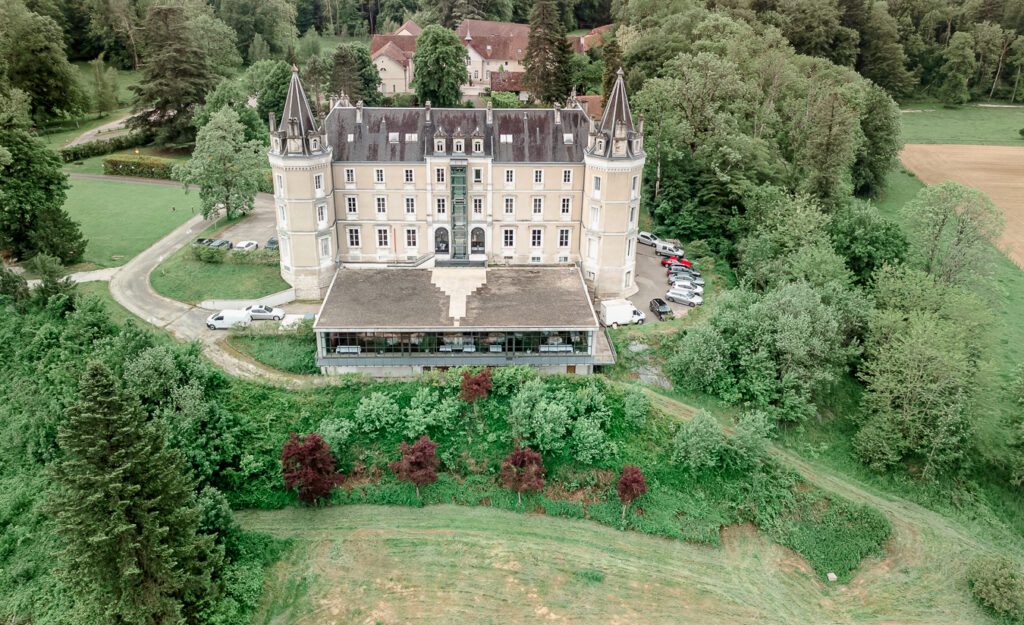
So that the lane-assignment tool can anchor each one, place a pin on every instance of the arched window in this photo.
(476, 241)
(441, 241)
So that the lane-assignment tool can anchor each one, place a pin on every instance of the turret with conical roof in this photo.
(615, 136)
(299, 132)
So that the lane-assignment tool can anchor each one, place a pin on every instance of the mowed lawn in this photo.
(451, 564)
(976, 125)
(120, 219)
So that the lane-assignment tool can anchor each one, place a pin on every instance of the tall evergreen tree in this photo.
(316, 74)
(882, 58)
(126, 514)
(355, 74)
(548, 54)
(612, 63)
(440, 61)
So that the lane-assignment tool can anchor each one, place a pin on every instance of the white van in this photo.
(663, 248)
(616, 312)
(226, 319)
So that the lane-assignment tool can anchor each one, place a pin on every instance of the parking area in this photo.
(258, 226)
(651, 278)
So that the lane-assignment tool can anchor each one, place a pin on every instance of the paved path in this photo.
(110, 129)
(275, 299)
(95, 275)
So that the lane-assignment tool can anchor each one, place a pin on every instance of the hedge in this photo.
(139, 166)
(104, 146)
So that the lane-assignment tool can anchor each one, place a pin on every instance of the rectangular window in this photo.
(350, 175)
(478, 174)
(280, 184)
(595, 215)
(478, 146)
(321, 213)
(350, 204)
(378, 176)
(629, 248)
(536, 237)
(353, 237)
(410, 237)
(281, 213)
(563, 237)
(382, 205)
(505, 138)
(508, 237)
(408, 176)
(442, 205)
(458, 147)
(325, 247)
(566, 205)
(636, 182)
(538, 205)
(628, 280)
(439, 147)
(566, 176)
(478, 206)
(510, 176)
(510, 205)
(318, 183)
(439, 175)
(597, 186)
(410, 205)
(393, 137)
(632, 215)
(412, 137)
(538, 176)
(382, 237)
(592, 248)
(535, 259)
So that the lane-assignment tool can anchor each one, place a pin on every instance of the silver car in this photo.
(262, 311)
(685, 277)
(686, 285)
(647, 238)
(681, 296)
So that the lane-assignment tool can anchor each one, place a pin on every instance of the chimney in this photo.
(558, 113)
(640, 124)
(490, 113)
(359, 112)
(426, 111)
(333, 101)
(273, 122)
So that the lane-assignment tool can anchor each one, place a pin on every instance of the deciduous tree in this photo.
(308, 468)
(957, 70)
(418, 464)
(104, 85)
(475, 387)
(632, 484)
(440, 60)
(231, 93)
(523, 471)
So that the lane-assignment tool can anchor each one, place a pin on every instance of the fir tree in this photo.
(548, 54)
(612, 63)
(126, 514)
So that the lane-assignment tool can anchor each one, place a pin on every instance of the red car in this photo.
(675, 260)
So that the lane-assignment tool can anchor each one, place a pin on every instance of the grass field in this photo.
(120, 219)
(94, 165)
(68, 130)
(977, 125)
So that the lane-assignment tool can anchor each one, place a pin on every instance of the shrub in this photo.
(997, 583)
(589, 575)
(376, 412)
(104, 146)
(309, 468)
(632, 484)
(505, 100)
(699, 443)
(207, 254)
(588, 441)
(418, 464)
(507, 380)
(139, 166)
(523, 471)
(636, 407)
(336, 433)
(404, 99)
(267, 258)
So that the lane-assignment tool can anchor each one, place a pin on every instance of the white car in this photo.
(681, 296)
(686, 285)
(227, 319)
(262, 311)
(247, 246)
(647, 238)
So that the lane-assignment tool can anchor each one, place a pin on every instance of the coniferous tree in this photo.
(548, 54)
(355, 74)
(612, 63)
(258, 49)
(126, 514)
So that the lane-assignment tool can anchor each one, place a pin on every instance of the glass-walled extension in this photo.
(413, 344)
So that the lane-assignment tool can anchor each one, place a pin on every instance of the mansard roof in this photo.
(515, 136)
(296, 107)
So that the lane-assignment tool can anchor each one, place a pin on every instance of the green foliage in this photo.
(636, 407)
(547, 60)
(138, 166)
(104, 86)
(440, 61)
(957, 70)
(699, 443)
(207, 254)
(376, 412)
(865, 239)
(103, 146)
(270, 80)
(505, 100)
(354, 73)
(612, 65)
(232, 93)
(998, 584)
(589, 575)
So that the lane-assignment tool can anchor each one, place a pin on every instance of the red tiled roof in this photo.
(498, 47)
(507, 81)
(484, 28)
(392, 51)
(398, 47)
(592, 39)
(411, 26)
(591, 104)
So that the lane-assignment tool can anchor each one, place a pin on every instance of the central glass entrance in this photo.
(460, 234)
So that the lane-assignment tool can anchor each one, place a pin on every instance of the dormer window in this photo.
(314, 145)
(439, 147)
(505, 138)
(411, 137)
(351, 137)
(600, 145)
(459, 147)
(478, 146)
(567, 138)
(393, 137)
(488, 48)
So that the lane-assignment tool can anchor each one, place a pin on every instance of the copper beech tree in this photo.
(523, 471)
(475, 387)
(418, 464)
(632, 484)
(308, 467)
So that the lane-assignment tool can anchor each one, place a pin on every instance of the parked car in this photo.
(247, 246)
(201, 242)
(661, 310)
(680, 296)
(676, 277)
(226, 319)
(223, 243)
(262, 311)
(678, 260)
(671, 268)
(647, 238)
(271, 244)
(662, 248)
(686, 285)
(684, 269)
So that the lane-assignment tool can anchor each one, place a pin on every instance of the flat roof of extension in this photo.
(468, 298)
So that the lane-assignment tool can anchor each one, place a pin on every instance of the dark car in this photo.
(271, 244)
(661, 310)
(224, 243)
(686, 271)
(201, 241)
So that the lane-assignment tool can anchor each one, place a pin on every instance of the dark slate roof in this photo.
(535, 136)
(296, 106)
(616, 108)
(511, 297)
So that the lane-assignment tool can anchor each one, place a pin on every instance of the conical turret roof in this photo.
(296, 106)
(617, 108)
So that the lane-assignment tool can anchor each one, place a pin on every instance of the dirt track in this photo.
(996, 170)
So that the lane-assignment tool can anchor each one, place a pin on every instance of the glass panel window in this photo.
(410, 205)
(378, 175)
(318, 182)
(408, 175)
(478, 146)
(439, 147)
(350, 204)
(350, 175)
(538, 175)
(566, 176)
(597, 186)
(353, 237)
(281, 213)
(382, 237)
(538, 205)
(325, 247)
(536, 237)
(280, 184)
(439, 175)
(563, 237)
(442, 205)
(510, 176)
(629, 248)
(632, 214)
(510, 205)
(632, 192)
(595, 215)
(478, 174)
(478, 206)
(382, 205)
(458, 147)
(508, 237)
(321, 213)
(410, 237)
(566, 205)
